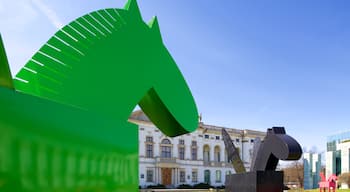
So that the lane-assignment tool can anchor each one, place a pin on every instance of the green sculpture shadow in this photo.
(64, 116)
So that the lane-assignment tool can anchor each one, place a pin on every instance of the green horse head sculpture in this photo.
(64, 117)
(108, 61)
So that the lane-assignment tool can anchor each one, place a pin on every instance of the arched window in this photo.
(207, 176)
(166, 148)
(166, 141)
(217, 154)
(206, 153)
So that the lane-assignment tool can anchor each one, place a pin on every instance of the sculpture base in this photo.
(259, 181)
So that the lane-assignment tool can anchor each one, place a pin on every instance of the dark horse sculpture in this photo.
(277, 145)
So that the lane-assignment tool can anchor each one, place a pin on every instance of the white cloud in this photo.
(50, 13)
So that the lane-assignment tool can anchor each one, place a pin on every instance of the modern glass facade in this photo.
(312, 167)
(337, 155)
(343, 136)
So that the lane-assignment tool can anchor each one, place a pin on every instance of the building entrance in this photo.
(166, 176)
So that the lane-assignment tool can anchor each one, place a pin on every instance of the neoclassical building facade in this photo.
(198, 157)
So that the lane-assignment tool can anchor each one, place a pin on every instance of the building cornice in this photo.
(139, 118)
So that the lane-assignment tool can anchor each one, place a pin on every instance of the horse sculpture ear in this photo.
(133, 8)
(154, 26)
(5, 74)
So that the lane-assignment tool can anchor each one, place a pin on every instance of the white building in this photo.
(337, 155)
(312, 168)
(198, 157)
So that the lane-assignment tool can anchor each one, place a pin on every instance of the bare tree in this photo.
(344, 178)
(295, 173)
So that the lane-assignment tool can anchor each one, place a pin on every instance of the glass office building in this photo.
(312, 168)
(337, 155)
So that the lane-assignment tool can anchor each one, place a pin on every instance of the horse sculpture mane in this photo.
(108, 61)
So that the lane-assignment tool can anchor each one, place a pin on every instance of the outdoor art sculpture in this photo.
(328, 185)
(277, 145)
(63, 119)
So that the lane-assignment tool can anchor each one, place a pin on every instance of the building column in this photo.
(173, 176)
(159, 175)
(212, 153)
(177, 176)
(222, 154)
(344, 160)
(155, 174)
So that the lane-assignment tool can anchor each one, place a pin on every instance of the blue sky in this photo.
(249, 64)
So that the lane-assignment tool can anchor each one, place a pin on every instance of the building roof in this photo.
(139, 117)
(339, 136)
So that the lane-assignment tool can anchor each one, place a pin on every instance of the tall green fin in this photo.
(154, 26)
(133, 8)
(5, 73)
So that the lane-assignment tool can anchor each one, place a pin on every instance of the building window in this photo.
(207, 176)
(226, 157)
(237, 140)
(166, 142)
(182, 176)
(166, 148)
(251, 154)
(194, 176)
(194, 144)
(166, 152)
(182, 153)
(228, 172)
(217, 137)
(252, 140)
(218, 176)
(142, 176)
(206, 153)
(181, 149)
(194, 150)
(149, 139)
(149, 151)
(149, 176)
(206, 136)
(181, 142)
(194, 153)
(149, 147)
(217, 154)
